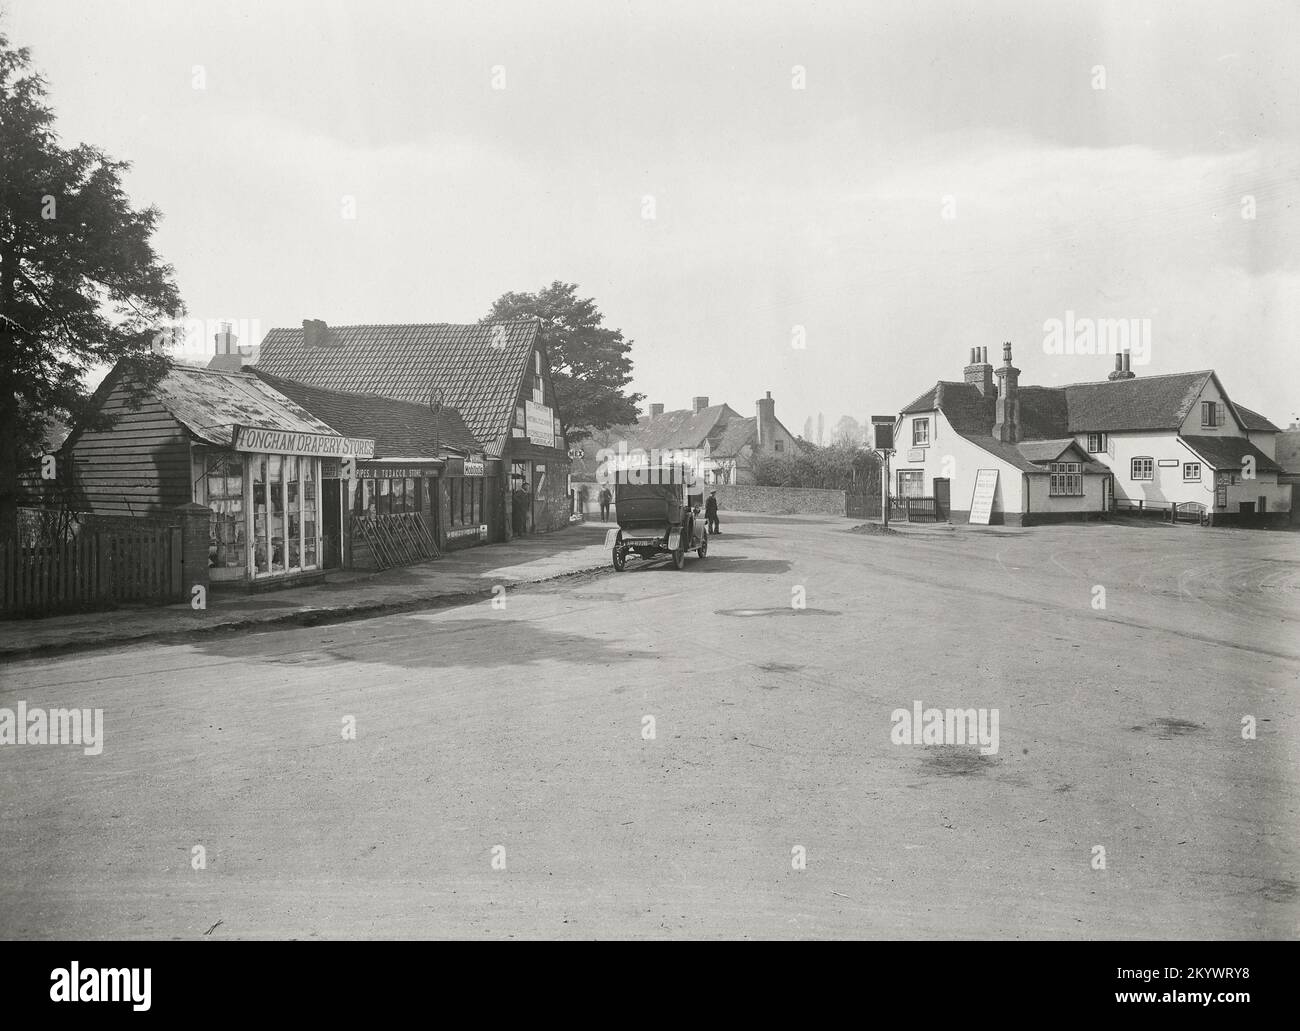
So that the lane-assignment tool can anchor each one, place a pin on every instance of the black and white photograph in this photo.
(627, 470)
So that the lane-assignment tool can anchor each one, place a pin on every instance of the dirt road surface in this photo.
(664, 754)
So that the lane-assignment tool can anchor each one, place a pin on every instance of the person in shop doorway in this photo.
(521, 502)
(605, 498)
(711, 513)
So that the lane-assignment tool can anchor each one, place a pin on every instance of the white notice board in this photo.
(981, 502)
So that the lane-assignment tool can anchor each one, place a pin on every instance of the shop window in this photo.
(227, 546)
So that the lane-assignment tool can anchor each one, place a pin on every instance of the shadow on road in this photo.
(413, 642)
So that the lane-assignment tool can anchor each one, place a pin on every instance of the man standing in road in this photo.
(711, 513)
(605, 498)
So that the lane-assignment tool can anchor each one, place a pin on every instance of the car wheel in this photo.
(679, 557)
(704, 546)
(620, 559)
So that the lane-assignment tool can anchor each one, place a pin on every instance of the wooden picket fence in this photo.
(95, 570)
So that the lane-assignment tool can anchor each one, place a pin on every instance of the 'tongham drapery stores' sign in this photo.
(284, 442)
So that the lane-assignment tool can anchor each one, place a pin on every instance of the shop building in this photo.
(496, 375)
(224, 440)
(426, 467)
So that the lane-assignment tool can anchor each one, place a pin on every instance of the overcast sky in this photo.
(774, 207)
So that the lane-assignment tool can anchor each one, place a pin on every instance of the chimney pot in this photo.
(1127, 358)
(984, 355)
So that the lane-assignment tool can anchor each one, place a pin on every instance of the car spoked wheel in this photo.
(704, 546)
(679, 557)
(620, 559)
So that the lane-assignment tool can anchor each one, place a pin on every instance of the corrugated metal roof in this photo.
(210, 404)
(479, 368)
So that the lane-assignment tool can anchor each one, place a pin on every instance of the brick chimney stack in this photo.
(315, 333)
(978, 372)
(766, 421)
(1006, 423)
(229, 356)
(1122, 370)
(698, 404)
(656, 411)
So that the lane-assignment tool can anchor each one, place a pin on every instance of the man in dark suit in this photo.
(711, 513)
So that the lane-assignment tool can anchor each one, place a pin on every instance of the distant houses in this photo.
(732, 443)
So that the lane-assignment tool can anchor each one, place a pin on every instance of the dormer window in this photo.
(920, 432)
(1213, 414)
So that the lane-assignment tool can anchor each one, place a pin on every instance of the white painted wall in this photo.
(953, 456)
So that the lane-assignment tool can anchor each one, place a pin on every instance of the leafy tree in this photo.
(590, 364)
(847, 431)
(80, 284)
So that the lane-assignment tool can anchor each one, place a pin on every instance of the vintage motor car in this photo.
(658, 515)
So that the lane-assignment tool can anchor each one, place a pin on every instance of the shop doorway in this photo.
(332, 523)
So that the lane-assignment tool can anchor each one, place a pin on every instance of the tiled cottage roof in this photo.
(479, 368)
(210, 404)
(736, 434)
(1254, 421)
(680, 429)
(1142, 403)
(400, 429)
(1226, 453)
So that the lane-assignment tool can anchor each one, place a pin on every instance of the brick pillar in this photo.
(194, 521)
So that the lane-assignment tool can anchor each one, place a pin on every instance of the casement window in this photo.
(1096, 443)
(1143, 469)
(920, 432)
(911, 483)
(1213, 414)
(1191, 472)
(1066, 480)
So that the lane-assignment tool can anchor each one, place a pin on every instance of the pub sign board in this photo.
(883, 427)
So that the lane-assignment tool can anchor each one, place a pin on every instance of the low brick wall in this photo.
(779, 500)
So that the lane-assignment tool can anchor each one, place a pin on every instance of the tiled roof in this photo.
(682, 428)
(479, 368)
(1142, 403)
(1045, 450)
(211, 404)
(735, 435)
(400, 429)
(1227, 453)
(1255, 421)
